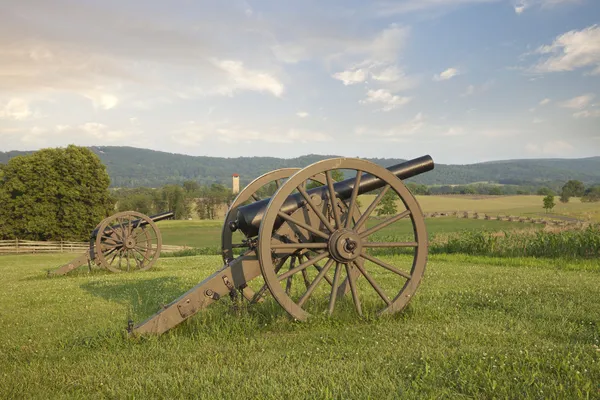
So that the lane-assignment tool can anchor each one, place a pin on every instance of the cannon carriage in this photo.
(310, 244)
(124, 242)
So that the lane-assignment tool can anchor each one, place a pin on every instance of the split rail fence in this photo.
(20, 246)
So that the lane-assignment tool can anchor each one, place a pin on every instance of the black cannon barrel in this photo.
(136, 222)
(248, 218)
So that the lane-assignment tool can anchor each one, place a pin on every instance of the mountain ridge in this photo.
(133, 167)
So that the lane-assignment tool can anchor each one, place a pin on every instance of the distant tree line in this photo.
(183, 200)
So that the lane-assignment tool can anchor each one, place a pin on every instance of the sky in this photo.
(464, 81)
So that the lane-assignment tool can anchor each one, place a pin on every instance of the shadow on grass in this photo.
(143, 297)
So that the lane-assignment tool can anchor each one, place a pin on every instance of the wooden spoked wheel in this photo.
(250, 193)
(127, 241)
(347, 241)
(267, 184)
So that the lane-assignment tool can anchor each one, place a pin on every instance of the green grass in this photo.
(208, 233)
(477, 328)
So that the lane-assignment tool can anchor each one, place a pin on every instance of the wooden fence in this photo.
(18, 246)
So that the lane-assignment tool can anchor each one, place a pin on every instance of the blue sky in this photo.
(462, 80)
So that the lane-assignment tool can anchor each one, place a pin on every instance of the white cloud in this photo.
(578, 102)
(396, 133)
(388, 8)
(242, 78)
(551, 148)
(519, 9)
(302, 114)
(544, 102)
(106, 101)
(454, 131)
(537, 120)
(17, 109)
(587, 114)
(572, 50)
(447, 74)
(194, 133)
(477, 89)
(383, 96)
(351, 77)
(521, 5)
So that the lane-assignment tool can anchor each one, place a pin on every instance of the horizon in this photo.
(466, 81)
(320, 155)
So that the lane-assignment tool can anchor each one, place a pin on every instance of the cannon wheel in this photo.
(249, 193)
(342, 244)
(121, 246)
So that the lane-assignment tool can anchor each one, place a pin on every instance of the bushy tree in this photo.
(573, 188)
(52, 194)
(591, 194)
(549, 202)
(387, 205)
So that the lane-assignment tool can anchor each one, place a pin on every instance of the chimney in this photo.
(235, 184)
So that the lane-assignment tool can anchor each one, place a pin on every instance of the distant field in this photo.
(208, 233)
(477, 328)
(513, 205)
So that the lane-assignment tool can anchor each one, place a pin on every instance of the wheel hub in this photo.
(130, 243)
(345, 245)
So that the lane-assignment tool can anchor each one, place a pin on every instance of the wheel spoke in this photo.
(352, 283)
(312, 205)
(304, 265)
(353, 199)
(384, 224)
(264, 287)
(303, 225)
(334, 287)
(369, 210)
(332, 200)
(373, 283)
(288, 285)
(385, 265)
(296, 246)
(127, 260)
(255, 197)
(314, 284)
(143, 255)
(389, 244)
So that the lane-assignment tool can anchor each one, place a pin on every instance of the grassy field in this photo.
(208, 233)
(477, 328)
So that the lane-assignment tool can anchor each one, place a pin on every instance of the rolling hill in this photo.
(133, 167)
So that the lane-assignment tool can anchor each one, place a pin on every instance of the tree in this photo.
(53, 194)
(496, 191)
(549, 202)
(591, 194)
(573, 188)
(387, 205)
(564, 197)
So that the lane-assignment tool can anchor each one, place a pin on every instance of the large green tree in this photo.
(52, 194)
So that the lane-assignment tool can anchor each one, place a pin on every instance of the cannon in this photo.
(308, 244)
(126, 241)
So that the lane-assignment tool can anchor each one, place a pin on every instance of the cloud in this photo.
(89, 133)
(389, 8)
(521, 5)
(445, 75)
(383, 96)
(351, 77)
(477, 89)
(537, 120)
(570, 51)
(396, 133)
(17, 109)
(554, 148)
(242, 78)
(454, 131)
(195, 133)
(545, 101)
(587, 114)
(578, 102)
(302, 114)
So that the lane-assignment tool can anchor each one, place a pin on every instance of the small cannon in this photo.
(126, 241)
(311, 219)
